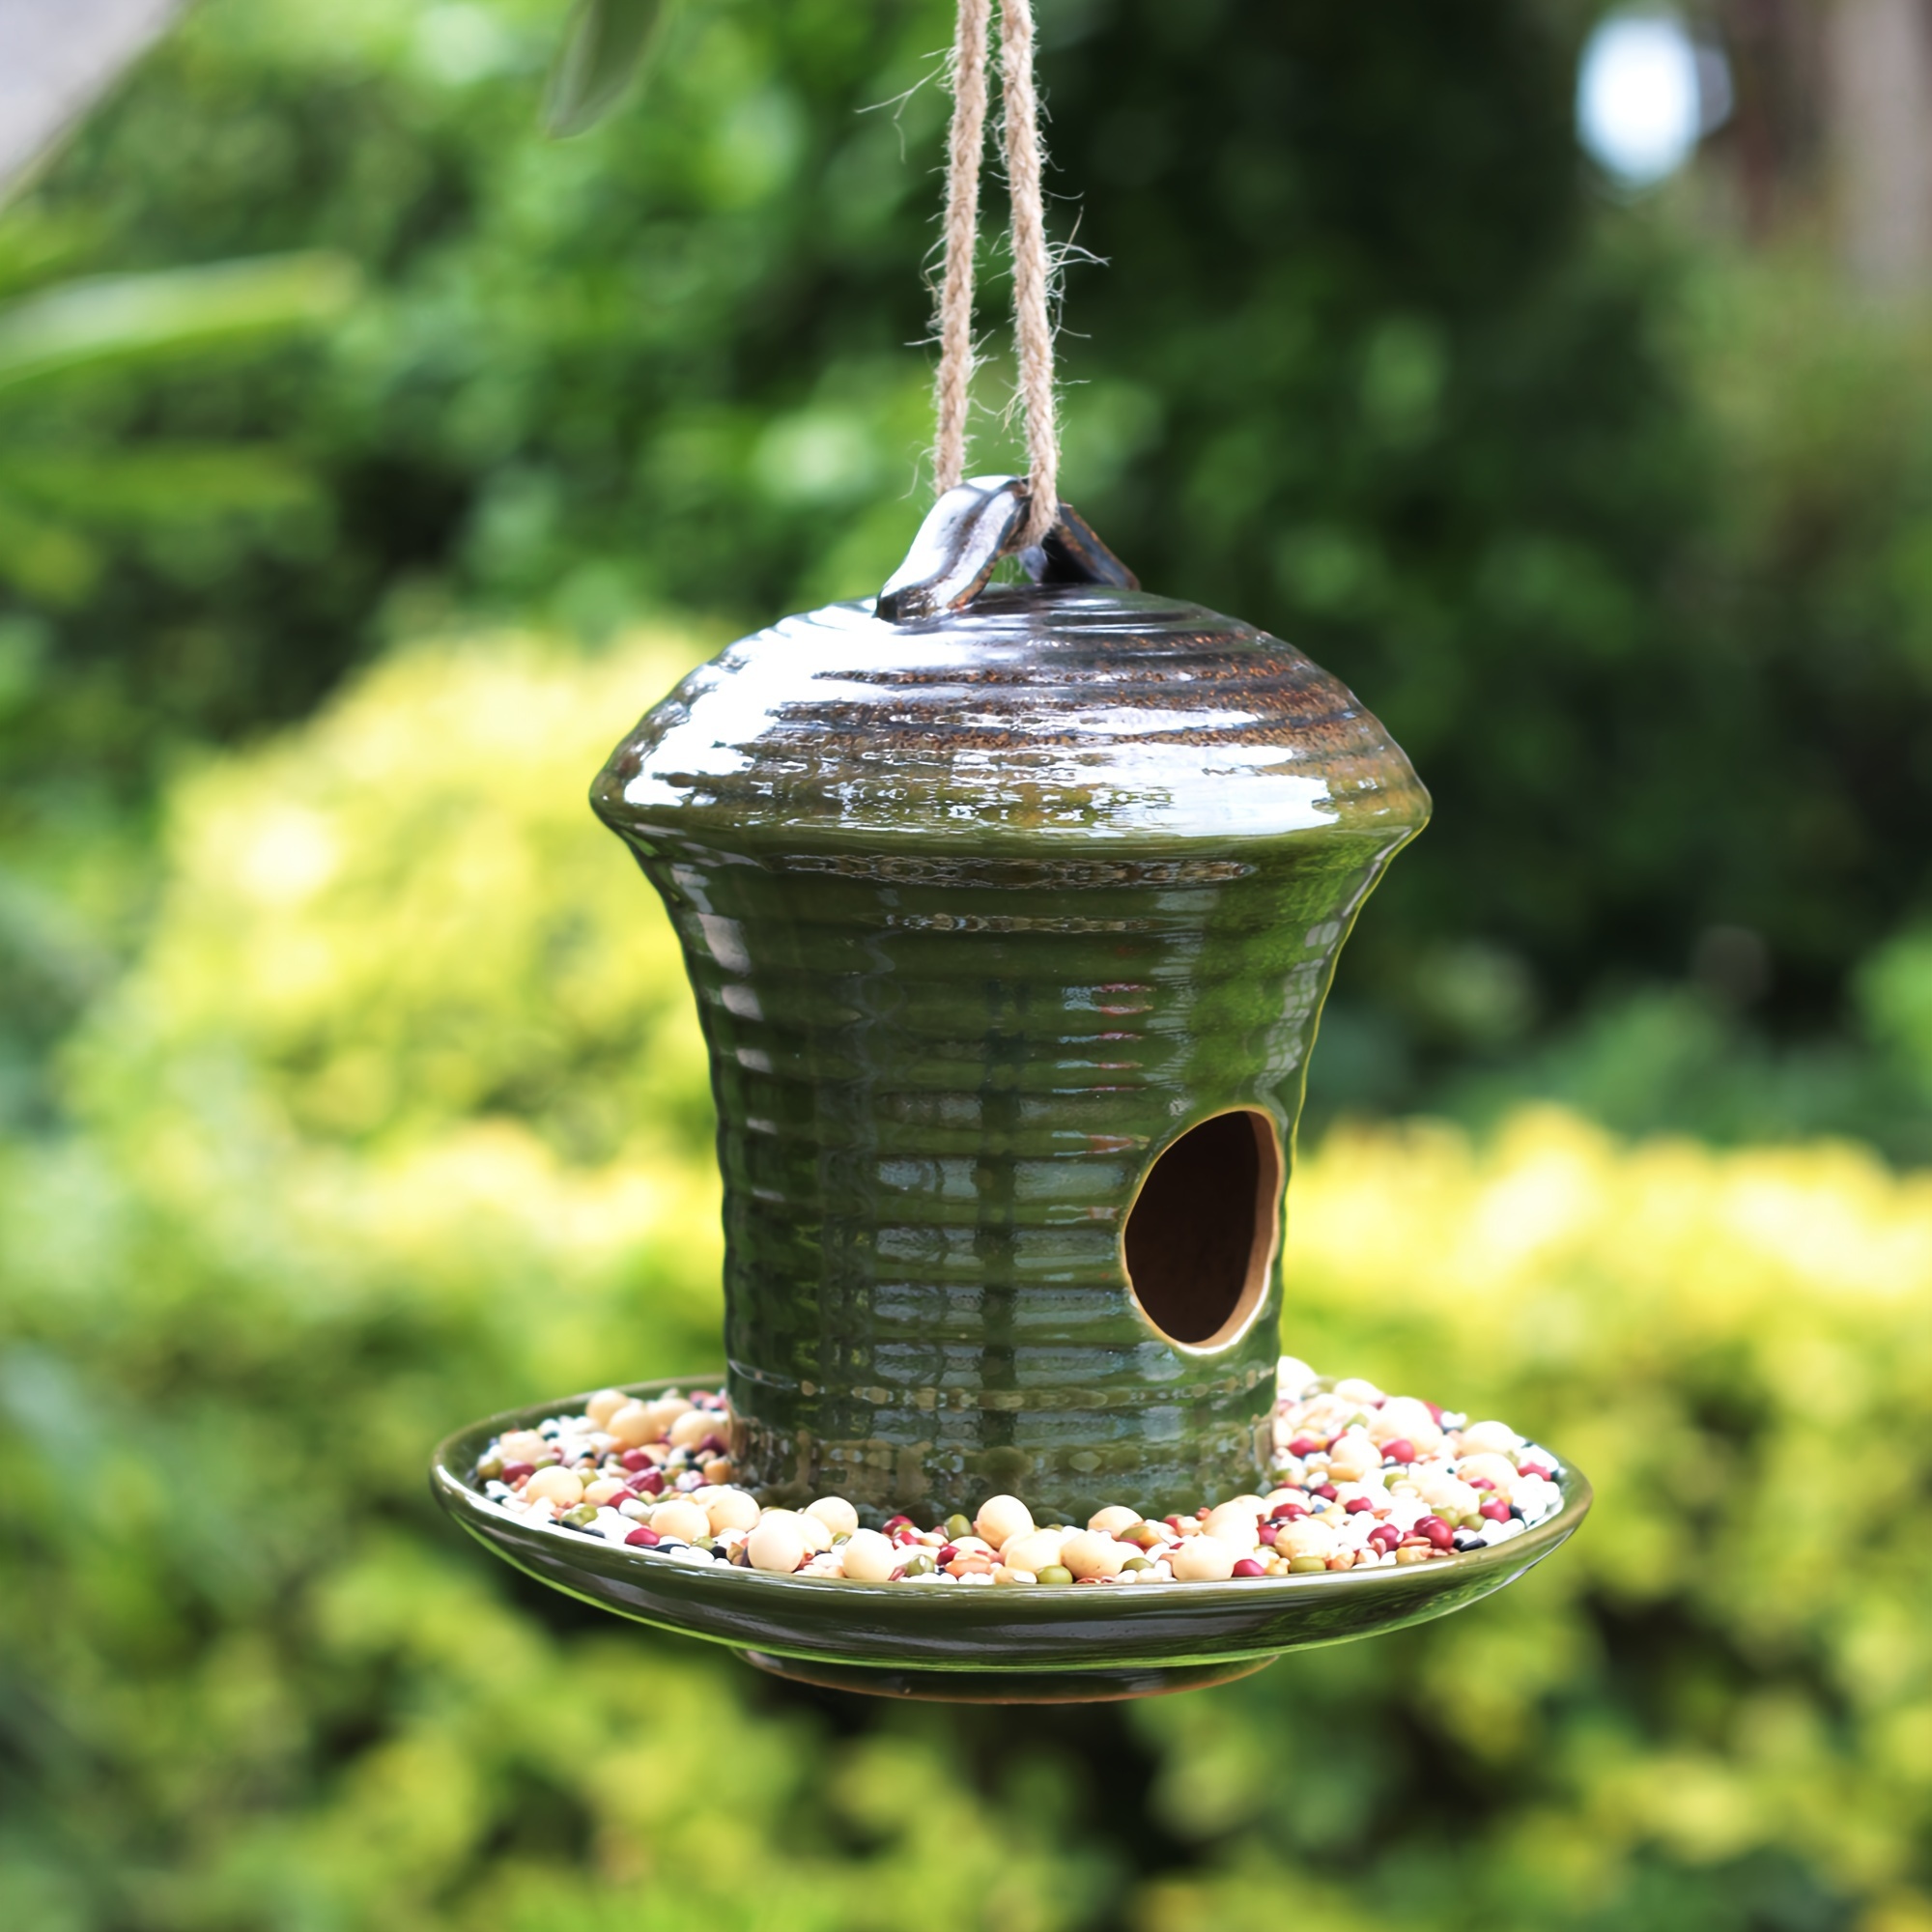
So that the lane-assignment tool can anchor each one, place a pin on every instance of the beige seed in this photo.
(1353, 1456)
(1006, 1574)
(555, 1485)
(1002, 1518)
(717, 1470)
(731, 1509)
(1087, 1554)
(1114, 1521)
(689, 1430)
(604, 1405)
(1490, 1466)
(606, 1489)
(665, 1410)
(633, 1425)
(1235, 1524)
(1039, 1549)
(1204, 1559)
(523, 1445)
(869, 1557)
(778, 1545)
(1306, 1535)
(1497, 1438)
(836, 1514)
(682, 1519)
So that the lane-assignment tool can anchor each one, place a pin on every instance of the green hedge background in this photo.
(349, 1088)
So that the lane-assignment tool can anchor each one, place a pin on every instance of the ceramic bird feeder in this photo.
(1009, 910)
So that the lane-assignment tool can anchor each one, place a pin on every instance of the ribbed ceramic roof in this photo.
(1058, 713)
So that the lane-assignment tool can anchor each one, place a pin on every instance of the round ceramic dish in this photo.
(1063, 1645)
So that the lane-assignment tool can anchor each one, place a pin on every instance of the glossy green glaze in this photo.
(982, 1644)
(982, 913)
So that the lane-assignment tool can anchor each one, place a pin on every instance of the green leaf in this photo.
(109, 319)
(155, 484)
(609, 43)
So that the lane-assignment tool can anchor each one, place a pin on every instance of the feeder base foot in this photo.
(1006, 1687)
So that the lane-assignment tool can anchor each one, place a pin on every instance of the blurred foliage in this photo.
(342, 1174)
(1626, 540)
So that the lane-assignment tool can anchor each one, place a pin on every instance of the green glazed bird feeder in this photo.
(1009, 910)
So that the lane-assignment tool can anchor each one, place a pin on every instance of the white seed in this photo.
(1113, 1520)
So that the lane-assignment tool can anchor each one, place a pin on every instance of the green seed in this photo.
(1306, 1566)
(1056, 1572)
(490, 1466)
(582, 1516)
(920, 1566)
(1135, 1563)
(957, 1527)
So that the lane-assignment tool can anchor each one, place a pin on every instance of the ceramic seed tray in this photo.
(984, 1645)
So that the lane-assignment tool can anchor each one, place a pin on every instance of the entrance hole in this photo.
(1201, 1231)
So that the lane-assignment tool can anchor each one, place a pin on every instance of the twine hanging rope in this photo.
(1033, 272)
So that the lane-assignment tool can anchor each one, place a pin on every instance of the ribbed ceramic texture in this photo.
(981, 914)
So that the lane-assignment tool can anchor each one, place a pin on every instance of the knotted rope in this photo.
(1033, 272)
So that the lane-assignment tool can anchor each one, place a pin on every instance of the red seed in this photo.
(516, 1471)
(945, 1556)
(1497, 1512)
(1401, 1450)
(635, 1458)
(1355, 1505)
(898, 1522)
(1303, 1445)
(642, 1538)
(1173, 1523)
(1478, 1481)
(1328, 1493)
(1287, 1512)
(1436, 1531)
(715, 1444)
(647, 1482)
(1536, 1469)
(1268, 1531)
(898, 1575)
(1248, 1567)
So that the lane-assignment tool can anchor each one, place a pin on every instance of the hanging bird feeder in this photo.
(1009, 909)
